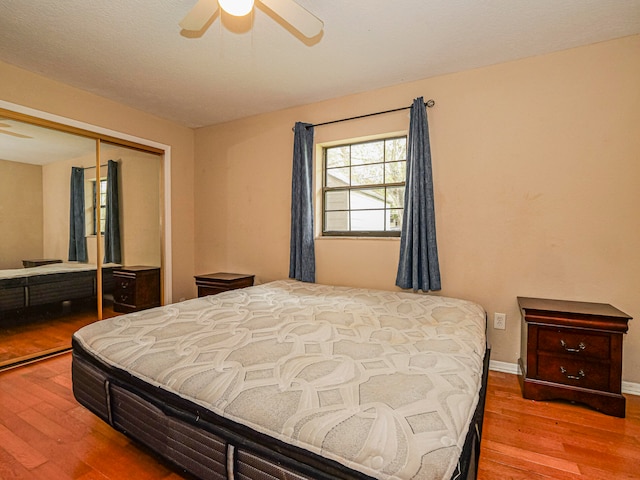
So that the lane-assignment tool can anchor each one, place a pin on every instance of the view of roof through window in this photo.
(364, 188)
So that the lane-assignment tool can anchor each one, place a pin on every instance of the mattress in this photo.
(384, 384)
(51, 283)
(50, 269)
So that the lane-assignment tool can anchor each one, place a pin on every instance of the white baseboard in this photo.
(631, 388)
(503, 367)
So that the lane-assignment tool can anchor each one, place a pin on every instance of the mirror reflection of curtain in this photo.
(112, 248)
(77, 239)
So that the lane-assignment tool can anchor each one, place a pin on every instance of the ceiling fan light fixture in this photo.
(238, 8)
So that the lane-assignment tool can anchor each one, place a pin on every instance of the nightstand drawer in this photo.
(574, 342)
(125, 284)
(574, 372)
(204, 291)
(125, 297)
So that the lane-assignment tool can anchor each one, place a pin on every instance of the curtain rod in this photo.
(93, 166)
(428, 104)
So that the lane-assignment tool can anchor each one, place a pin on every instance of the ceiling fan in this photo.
(298, 17)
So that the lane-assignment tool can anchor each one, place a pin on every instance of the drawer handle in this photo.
(581, 346)
(124, 284)
(580, 375)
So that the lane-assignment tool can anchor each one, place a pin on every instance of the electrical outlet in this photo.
(500, 321)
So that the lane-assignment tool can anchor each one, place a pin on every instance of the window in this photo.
(363, 188)
(103, 204)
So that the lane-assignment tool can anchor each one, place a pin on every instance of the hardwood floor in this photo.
(44, 331)
(46, 434)
(525, 439)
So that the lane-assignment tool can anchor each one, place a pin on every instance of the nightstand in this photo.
(213, 283)
(136, 288)
(572, 351)
(36, 262)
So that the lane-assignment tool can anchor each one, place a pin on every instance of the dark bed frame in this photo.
(37, 290)
(206, 446)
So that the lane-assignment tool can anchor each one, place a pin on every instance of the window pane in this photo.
(363, 153)
(364, 187)
(367, 175)
(367, 198)
(395, 197)
(394, 219)
(337, 200)
(337, 177)
(103, 218)
(336, 221)
(338, 156)
(367, 220)
(396, 149)
(395, 172)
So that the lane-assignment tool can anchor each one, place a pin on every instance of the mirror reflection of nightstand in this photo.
(136, 288)
(36, 262)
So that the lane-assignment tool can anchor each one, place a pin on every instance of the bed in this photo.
(290, 380)
(22, 288)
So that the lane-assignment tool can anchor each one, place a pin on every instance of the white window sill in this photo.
(348, 237)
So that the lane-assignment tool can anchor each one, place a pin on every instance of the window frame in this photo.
(348, 188)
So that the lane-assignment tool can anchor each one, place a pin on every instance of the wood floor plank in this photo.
(535, 461)
(21, 451)
(10, 469)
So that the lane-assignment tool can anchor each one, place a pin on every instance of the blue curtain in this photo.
(418, 267)
(112, 249)
(77, 239)
(302, 260)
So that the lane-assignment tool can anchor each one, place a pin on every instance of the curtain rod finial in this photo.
(430, 103)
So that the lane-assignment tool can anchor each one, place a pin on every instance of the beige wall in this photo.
(536, 180)
(20, 213)
(30, 90)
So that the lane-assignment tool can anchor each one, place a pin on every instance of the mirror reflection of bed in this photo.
(44, 297)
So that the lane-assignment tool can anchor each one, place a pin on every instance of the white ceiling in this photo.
(132, 51)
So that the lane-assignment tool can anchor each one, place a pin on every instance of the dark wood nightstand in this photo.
(213, 283)
(572, 351)
(136, 288)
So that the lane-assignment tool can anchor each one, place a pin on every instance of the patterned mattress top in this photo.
(383, 382)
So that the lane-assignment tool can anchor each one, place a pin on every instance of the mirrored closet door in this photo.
(58, 204)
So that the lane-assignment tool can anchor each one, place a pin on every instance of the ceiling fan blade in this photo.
(298, 17)
(199, 15)
(14, 134)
